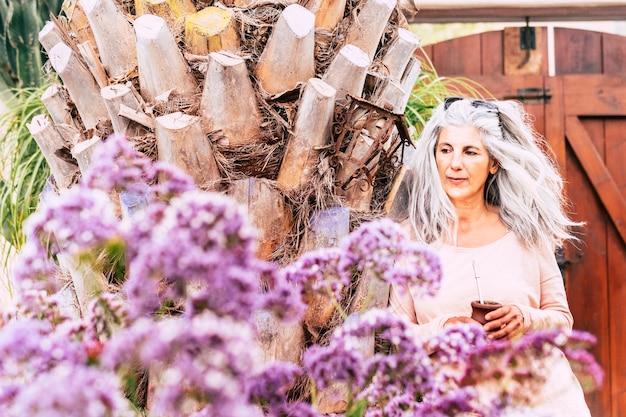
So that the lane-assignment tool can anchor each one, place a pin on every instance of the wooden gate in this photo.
(581, 111)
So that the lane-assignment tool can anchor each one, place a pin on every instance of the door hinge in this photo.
(563, 262)
(533, 95)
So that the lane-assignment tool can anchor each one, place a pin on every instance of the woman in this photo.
(489, 201)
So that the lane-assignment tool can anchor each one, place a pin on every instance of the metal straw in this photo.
(480, 294)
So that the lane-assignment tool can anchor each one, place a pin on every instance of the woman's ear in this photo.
(493, 166)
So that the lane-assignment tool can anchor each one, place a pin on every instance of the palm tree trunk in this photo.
(301, 103)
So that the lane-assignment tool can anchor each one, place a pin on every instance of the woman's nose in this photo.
(456, 160)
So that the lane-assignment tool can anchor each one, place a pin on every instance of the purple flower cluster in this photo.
(377, 378)
(202, 362)
(584, 365)
(38, 356)
(202, 247)
(73, 222)
(74, 391)
(117, 166)
(380, 247)
(269, 389)
(317, 272)
(384, 248)
(459, 371)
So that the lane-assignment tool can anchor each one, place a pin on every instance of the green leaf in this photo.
(49, 7)
(7, 53)
(21, 55)
(23, 34)
(357, 409)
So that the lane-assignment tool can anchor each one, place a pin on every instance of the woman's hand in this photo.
(505, 322)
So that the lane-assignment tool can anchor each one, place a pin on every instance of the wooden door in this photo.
(581, 111)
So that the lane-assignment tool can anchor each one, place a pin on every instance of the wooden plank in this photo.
(613, 54)
(602, 95)
(448, 56)
(616, 379)
(616, 151)
(616, 258)
(492, 62)
(601, 178)
(580, 51)
(588, 289)
(586, 276)
(506, 87)
(555, 127)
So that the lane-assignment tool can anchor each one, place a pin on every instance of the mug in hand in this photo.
(480, 309)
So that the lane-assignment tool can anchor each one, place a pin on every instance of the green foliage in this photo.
(21, 56)
(24, 169)
(430, 89)
(357, 409)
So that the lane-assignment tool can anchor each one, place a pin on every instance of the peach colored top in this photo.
(510, 273)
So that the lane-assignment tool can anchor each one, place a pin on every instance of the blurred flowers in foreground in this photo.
(178, 310)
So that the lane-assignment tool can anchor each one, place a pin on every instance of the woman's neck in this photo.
(478, 225)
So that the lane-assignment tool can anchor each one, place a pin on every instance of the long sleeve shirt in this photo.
(510, 273)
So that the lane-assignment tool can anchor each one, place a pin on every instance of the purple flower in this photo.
(269, 387)
(339, 361)
(317, 272)
(33, 303)
(74, 222)
(296, 409)
(457, 343)
(200, 249)
(576, 349)
(282, 298)
(70, 391)
(117, 166)
(373, 377)
(33, 267)
(451, 403)
(202, 359)
(195, 252)
(172, 181)
(384, 248)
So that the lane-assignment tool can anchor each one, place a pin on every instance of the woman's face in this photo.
(463, 164)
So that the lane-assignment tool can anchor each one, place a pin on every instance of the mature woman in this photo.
(489, 201)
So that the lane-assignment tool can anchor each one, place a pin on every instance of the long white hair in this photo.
(527, 187)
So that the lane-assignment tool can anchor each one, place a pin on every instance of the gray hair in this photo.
(527, 187)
